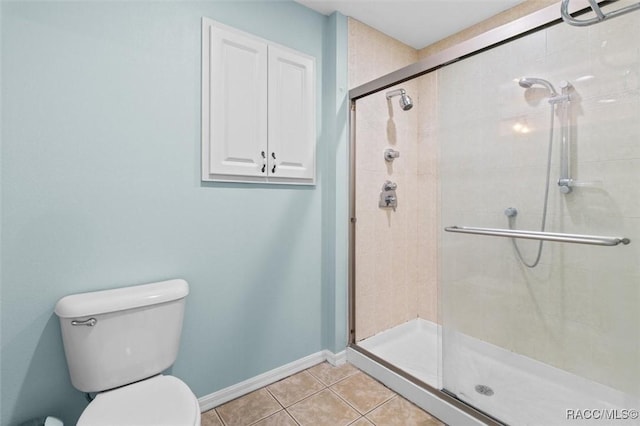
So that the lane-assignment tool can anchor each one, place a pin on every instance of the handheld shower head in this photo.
(405, 101)
(528, 82)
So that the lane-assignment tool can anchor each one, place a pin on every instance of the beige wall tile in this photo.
(373, 54)
(562, 312)
(390, 289)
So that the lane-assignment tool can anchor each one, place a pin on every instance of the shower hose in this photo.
(545, 205)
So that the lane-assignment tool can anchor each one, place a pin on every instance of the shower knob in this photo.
(511, 212)
(565, 189)
(390, 186)
(391, 154)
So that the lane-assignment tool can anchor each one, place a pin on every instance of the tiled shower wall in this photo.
(395, 281)
(397, 252)
(578, 310)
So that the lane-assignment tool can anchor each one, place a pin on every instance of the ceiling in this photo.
(417, 23)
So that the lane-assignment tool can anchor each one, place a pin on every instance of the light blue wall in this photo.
(101, 188)
(335, 221)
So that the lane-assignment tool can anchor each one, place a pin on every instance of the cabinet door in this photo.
(292, 132)
(235, 100)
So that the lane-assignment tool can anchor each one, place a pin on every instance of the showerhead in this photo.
(405, 101)
(528, 82)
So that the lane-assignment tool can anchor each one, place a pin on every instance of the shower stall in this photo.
(495, 238)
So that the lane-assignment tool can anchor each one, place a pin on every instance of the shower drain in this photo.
(484, 390)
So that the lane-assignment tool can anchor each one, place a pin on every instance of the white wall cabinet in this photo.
(258, 109)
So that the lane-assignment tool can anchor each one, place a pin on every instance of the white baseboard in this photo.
(215, 399)
(335, 359)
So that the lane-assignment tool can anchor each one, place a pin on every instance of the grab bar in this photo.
(600, 15)
(545, 236)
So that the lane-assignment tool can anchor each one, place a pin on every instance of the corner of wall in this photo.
(335, 185)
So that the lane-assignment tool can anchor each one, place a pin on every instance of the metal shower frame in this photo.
(520, 27)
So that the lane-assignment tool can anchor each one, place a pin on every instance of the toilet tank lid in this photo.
(120, 299)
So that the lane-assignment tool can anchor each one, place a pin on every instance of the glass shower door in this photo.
(559, 341)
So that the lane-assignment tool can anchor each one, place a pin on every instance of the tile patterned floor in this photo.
(323, 395)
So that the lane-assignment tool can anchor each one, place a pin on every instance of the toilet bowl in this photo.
(158, 401)
(117, 343)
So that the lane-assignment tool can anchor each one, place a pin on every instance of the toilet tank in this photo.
(116, 337)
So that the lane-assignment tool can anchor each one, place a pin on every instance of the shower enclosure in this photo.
(505, 279)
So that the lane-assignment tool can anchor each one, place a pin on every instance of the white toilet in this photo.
(117, 342)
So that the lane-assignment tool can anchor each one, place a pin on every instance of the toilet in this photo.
(117, 343)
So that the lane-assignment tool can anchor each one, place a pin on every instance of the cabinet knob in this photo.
(273, 154)
(264, 167)
(273, 170)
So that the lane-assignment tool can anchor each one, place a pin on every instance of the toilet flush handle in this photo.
(89, 323)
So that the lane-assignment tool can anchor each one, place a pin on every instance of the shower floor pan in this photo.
(412, 347)
(513, 388)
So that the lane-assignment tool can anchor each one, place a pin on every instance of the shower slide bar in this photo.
(545, 236)
(600, 15)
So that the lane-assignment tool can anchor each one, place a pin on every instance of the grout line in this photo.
(339, 380)
(314, 376)
(294, 419)
(273, 396)
(325, 387)
(275, 399)
(394, 395)
(273, 414)
(306, 397)
(222, 422)
(345, 401)
(358, 419)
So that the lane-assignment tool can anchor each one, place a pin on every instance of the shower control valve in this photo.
(388, 198)
(389, 186)
(391, 154)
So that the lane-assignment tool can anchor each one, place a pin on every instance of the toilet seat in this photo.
(158, 401)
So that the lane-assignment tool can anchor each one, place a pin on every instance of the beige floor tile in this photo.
(323, 409)
(362, 392)
(281, 418)
(329, 375)
(295, 388)
(249, 408)
(210, 418)
(400, 412)
(362, 421)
